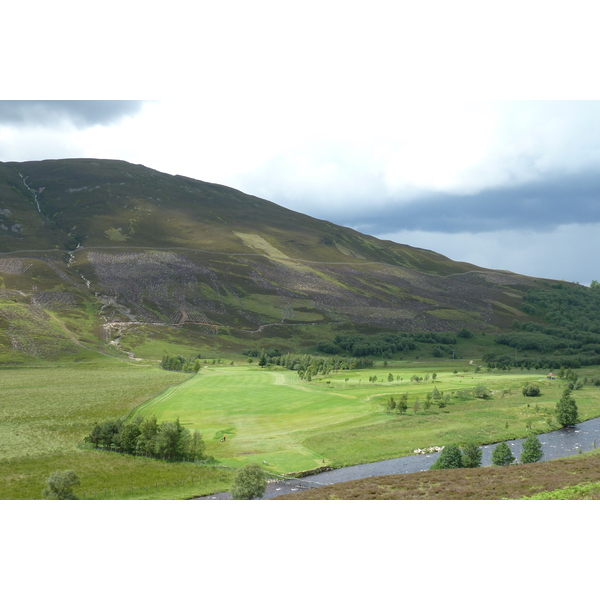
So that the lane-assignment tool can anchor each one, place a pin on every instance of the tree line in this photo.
(168, 440)
(179, 363)
(553, 362)
(469, 456)
(569, 306)
(386, 344)
(309, 364)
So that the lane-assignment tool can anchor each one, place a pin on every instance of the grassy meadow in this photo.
(45, 412)
(271, 416)
(268, 415)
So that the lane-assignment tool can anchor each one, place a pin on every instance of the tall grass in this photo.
(46, 411)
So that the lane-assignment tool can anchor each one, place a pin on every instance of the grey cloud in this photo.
(82, 113)
(542, 205)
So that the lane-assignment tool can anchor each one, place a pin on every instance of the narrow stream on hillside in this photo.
(555, 444)
(34, 192)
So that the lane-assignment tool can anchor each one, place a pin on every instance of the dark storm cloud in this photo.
(82, 113)
(542, 205)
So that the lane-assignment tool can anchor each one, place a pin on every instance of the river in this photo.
(555, 444)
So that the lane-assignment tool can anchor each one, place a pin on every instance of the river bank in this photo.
(561, 443)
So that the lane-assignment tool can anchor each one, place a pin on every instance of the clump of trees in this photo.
(570, 338)
(469, 456)
(567, 306)
(248, 482)
(268, 353)
(386, 344)
(452, 457)
(308, 366)
(168, 440)
(179, 363)
(400, 406)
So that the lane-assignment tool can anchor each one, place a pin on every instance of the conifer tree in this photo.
(532, 449)
(402, 404)
(502, 456)
(566, 410)
(471, 457)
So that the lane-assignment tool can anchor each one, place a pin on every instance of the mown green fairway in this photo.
(293, 425)
(265, 415)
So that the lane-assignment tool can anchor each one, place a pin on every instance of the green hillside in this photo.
(104, 255)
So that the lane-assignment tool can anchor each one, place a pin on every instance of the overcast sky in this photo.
(398, 122)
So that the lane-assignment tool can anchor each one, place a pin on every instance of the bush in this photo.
(480, 391)
(531, 389)
(59, 486)
(249, 482)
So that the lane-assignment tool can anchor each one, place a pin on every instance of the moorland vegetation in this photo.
(573, 478)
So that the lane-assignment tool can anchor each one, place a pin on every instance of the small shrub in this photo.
(481, 391)
(531, 389)
(59, 486)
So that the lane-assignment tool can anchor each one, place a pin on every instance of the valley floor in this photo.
(268, 416)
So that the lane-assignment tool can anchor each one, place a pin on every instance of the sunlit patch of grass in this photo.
(582, 491)
(46, 411)
(341, 417)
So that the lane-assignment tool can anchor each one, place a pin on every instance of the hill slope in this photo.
(89, 245)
